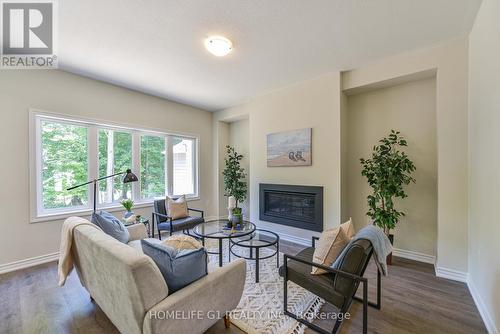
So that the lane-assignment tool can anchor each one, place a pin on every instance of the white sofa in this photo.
(129, 288)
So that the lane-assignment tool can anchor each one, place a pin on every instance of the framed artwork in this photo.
(290, 148)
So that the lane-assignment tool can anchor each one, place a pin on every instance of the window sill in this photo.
(88, 212)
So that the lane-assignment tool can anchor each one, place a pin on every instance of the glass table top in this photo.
(259, 238)
(218, 229)
(141, 220)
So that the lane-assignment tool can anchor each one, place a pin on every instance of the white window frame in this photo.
(39, 214)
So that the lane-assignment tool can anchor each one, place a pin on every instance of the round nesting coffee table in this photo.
(255, 241)
(216, 229)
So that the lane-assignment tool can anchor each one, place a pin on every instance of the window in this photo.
(64, 163)
(69, 152)
(152, 166)
(183, 159)
(115, 155)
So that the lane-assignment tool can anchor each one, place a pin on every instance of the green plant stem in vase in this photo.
(128, 204)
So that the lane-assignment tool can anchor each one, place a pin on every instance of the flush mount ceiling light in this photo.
(218, 46)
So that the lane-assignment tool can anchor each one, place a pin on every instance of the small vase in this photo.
(236, 219)
(128, 214)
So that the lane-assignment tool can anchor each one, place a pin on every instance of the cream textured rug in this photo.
(261, 307)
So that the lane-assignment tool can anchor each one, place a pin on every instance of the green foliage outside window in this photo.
(120, 159)
(64, 163)
(152, 166)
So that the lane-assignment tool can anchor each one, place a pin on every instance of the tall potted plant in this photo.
(388, 172)
(234, 180)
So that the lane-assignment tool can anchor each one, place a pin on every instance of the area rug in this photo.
(260, 310)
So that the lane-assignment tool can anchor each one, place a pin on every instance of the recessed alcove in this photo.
(407, 104)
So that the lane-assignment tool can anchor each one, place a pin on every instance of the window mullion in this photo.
(195, 169)
(39, 176)
(169, 166)
(136, 165)
(93, 162)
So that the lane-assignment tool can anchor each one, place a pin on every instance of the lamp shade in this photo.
(130, 177)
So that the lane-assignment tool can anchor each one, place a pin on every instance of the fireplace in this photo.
(297, 206)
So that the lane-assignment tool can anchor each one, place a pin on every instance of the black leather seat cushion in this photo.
(181, 224)
(335, 289)
(320, 285)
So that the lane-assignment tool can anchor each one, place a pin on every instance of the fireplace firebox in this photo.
(297, 206)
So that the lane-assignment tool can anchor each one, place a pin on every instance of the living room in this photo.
(263, 167)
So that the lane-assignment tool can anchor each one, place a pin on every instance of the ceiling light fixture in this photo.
(218, 46)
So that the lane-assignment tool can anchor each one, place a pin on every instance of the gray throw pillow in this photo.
(178, 267)
(111, 226)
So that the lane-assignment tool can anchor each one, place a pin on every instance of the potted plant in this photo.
(235, 185)
(388, 171)
(128, 204)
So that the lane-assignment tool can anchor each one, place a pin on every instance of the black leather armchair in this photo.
(337, 287)
(166, 223)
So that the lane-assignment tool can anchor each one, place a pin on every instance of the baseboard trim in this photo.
(452, 274)
(416, 256)
(26, 263)
(294, 239)
(483, 310)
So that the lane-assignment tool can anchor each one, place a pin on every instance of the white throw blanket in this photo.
(381, 246)
(65, 259)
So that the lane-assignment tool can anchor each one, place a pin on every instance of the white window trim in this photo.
(95, 124)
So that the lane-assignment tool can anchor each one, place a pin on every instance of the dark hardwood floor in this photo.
(413, 301)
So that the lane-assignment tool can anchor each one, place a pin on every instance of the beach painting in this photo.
(289, 149)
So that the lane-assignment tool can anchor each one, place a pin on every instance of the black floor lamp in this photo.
(129, 177)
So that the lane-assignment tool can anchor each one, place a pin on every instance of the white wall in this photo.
(314, 103)
(239, 138)
(484, 163)
(411, 109)
(450, 62)
(64, 93)
(221, 136)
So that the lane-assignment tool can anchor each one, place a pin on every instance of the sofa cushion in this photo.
(136, 244)
(320, 285)
(111, 226)
(178, 267)
(182, 224)
(348, 228)
(181, 241)
(177, 208)
(330, 245)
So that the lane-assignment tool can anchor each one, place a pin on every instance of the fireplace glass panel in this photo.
(299, 206)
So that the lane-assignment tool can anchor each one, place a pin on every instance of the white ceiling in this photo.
(156, 46)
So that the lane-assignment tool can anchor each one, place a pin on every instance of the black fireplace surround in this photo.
(297, 206)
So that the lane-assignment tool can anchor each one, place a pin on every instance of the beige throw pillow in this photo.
(329, 246)
(177, 208)
(348, 228)
(181, 241)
